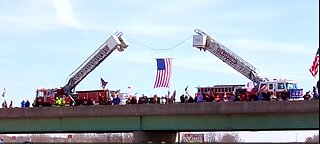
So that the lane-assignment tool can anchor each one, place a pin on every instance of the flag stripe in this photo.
(163, 75)
(315, 65)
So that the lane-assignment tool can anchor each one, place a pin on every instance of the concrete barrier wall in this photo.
(234, 116)
(164, 109)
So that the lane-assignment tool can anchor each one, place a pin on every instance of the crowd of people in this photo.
(118, 99)
(23, 104)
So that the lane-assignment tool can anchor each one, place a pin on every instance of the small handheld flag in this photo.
(103, 83)
(4, 92)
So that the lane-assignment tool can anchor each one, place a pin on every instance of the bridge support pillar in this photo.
(154, 136)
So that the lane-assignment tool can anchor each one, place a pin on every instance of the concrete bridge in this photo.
(160, 122)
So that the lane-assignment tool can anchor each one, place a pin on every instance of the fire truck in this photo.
(219, 89)
(205, 42)
(46, 97)
(95, 97)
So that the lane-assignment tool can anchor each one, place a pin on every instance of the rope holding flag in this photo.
(315, 65)
(164, 73)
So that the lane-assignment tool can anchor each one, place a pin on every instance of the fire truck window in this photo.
(291, 86)
(270, 86)
(40, 93)
(281, 86)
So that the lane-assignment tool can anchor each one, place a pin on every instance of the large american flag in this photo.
(164, 73)
(315, 65)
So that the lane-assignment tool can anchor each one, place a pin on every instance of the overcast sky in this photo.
(43, 41)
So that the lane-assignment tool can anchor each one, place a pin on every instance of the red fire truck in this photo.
(205, 42)
(97, 97)
(45, 97)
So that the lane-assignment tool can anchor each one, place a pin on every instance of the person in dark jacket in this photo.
(182, 99)
(307, 96)
(27, 104)
(116, 100)
(190, 99)
(315, 93)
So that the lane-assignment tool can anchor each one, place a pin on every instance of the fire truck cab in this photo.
(278, 86)
(46, 97)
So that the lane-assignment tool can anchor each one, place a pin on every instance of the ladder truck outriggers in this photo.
(205, 42)
(46, 97)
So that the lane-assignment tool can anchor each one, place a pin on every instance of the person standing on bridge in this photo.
(56, 100)
(182, 99)
(11, 105)
(315, 93)
(307, 96)
(199, 97)
(23, 103)
(62, 101)
(4, 104)
(116, 100)
(27, 104)
(318, 86)
(225, 97)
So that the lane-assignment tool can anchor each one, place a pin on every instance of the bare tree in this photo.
(116, 137)
(225, 138)
(81, 138)
(103, 138)
(211, 137)
(229, 138)
(313, 139)
(6, 138)
(127, 137)
(39, 138)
